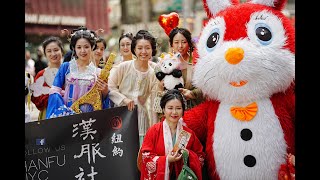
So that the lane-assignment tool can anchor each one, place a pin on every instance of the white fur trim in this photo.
(264, 2)
(216, 6)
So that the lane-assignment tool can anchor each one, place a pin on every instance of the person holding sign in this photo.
(160, 156)
(133, 81)
(76, 77)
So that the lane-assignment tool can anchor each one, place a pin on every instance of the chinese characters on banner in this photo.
(90, 149)
(90, 146)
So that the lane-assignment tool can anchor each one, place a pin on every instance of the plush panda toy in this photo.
(169, 71)
(246, 69)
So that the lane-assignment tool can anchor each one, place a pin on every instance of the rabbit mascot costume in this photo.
(246, 69)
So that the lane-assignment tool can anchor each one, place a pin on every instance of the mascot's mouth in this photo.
(238, 84)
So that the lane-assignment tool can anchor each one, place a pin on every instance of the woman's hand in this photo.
(180, 151)
(187, 93)
(103, 87)
(161, 85)
(129, 103)
(142, 100)
(174, 156)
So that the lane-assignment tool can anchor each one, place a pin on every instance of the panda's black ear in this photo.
(160, 75)
(176, 73)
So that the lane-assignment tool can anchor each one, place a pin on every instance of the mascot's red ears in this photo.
(212, 7)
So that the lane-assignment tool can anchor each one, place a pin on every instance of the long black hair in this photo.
(186, 33)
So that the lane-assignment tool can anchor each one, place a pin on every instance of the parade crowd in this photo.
(224, 109)
(54, 86)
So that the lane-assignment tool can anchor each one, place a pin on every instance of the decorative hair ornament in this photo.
(183, 98)
(99, 31)
(92, 34)
(174, 93)
(65, 32)
(128, 34)
(184, 101)
(168, 21)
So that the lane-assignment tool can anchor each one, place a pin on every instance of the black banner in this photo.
(98, 145)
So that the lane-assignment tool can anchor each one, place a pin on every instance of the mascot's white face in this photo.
(244, 58)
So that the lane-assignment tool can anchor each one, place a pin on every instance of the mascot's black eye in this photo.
(213, 40)
(170, 64)
(263, 33)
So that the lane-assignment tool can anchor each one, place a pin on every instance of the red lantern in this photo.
(168, 21)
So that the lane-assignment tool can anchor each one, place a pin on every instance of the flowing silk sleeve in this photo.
(106, 102)
(41, 101)
(153, 165)
(56, 106)
(115, 79)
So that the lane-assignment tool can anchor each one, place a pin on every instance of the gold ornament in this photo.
(94, 96)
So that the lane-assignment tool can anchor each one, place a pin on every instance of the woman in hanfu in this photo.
(161, 150)
(53, 51)
(76, 77)
(132, 82)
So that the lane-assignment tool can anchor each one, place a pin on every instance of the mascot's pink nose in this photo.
(234, 55)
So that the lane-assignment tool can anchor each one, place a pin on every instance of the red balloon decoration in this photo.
(168, 21)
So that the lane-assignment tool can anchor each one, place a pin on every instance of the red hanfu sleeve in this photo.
(196, 155)
(41, 101)
(153, 163)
